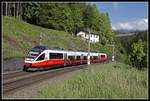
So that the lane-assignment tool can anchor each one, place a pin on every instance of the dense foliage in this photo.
(136, 47)
(138, 55)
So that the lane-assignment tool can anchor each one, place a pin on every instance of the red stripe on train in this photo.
(103, 59)
(61, 62)
(48, 62)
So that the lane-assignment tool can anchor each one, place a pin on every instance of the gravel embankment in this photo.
(12, 64)
(32, 90)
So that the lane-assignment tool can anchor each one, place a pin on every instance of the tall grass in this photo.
(101, 81)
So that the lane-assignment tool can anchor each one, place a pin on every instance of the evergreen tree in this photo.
(31, 12)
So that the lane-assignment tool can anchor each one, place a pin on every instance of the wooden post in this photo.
(89, 48)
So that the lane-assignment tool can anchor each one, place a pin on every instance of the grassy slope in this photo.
(101, 81)
(19, 37)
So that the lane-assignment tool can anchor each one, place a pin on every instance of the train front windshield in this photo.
(33, 53)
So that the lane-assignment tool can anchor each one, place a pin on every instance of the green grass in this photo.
(19, 37)
(101, 81)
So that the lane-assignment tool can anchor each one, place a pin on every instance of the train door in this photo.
(99, 58)
(81, 58)
(65, 59)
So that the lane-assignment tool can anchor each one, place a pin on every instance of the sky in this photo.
(126, 15)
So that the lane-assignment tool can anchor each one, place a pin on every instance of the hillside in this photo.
(19, 37)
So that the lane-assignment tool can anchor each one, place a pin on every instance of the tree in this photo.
(56, 16)
(102, 26)
(12, 9)
(31, 12)
(6, 8)
(89, 15)
(76, 15)
(138, 56)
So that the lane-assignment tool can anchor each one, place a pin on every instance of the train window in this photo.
(32, 54)
(71, 57)
(78, 57)
(91, 57)
(81, 56)
(42, 57)
(85, 57)
(102, 56)
(56, 55)
(95, 57)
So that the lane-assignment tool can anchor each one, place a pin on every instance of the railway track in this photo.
(22, 79)
(13, 74)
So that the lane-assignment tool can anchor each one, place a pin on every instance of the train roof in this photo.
(62, 50)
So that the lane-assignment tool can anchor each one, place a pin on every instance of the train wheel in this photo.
(25, 69)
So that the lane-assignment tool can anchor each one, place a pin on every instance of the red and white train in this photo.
(44, 57)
